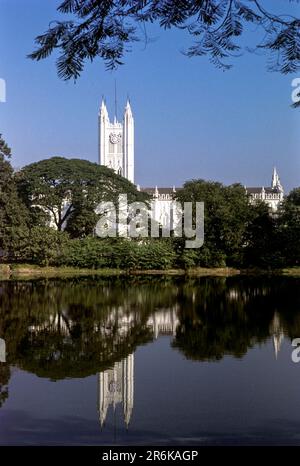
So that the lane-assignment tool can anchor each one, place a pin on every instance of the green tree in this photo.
(290, 228)
(104, 29)
(262, 239)
(5, 150)
(226, 216)
(68, 191)
(40, 245)
(13, 213)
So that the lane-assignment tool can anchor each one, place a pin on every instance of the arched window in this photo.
(111, 147)
(120, 145)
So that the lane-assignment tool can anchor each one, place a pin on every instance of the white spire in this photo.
(103, 122)
(128, 108)
(128, 155)
(103, 110)
(276, 180)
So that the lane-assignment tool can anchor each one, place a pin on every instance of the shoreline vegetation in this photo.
(25, 271)
(49, 226)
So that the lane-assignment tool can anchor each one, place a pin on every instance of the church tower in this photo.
(116, 142)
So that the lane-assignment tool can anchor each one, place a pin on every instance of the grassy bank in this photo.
(28, 271)
(292, 271)
(35, 271)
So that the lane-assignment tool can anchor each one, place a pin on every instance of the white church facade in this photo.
(272, 196)
(116, 151)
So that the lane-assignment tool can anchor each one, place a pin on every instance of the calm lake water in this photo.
(160, 361)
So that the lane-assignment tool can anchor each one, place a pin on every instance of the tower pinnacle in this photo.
(276, 184)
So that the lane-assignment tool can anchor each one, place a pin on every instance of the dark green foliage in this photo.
(118, 253)
(154, 254)
(187, 258)
(226, 215)
(5, 150)
(13, 213)
(289, 225)
(38, 245)
(263, 242)
(104, 30)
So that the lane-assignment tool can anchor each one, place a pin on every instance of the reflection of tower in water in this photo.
(276, 330)
(2, 350)
(116, 386)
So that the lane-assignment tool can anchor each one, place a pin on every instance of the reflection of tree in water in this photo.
(229, 316)
(4, 379)
(76, 330)
(79, 327)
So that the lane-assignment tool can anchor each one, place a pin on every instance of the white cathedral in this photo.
(116, 151)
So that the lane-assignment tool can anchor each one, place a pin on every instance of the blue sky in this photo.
(191, 119)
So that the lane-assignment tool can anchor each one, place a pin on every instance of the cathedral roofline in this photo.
(162, 190)
(259, 189)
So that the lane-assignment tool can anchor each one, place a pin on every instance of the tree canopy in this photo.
(226, 216)
(5, 150)
(290, 227)
(106, 29)
(68, 190)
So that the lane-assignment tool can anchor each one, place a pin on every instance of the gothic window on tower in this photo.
(119, 145)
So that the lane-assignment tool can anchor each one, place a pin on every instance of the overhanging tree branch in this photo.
(104, 29)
